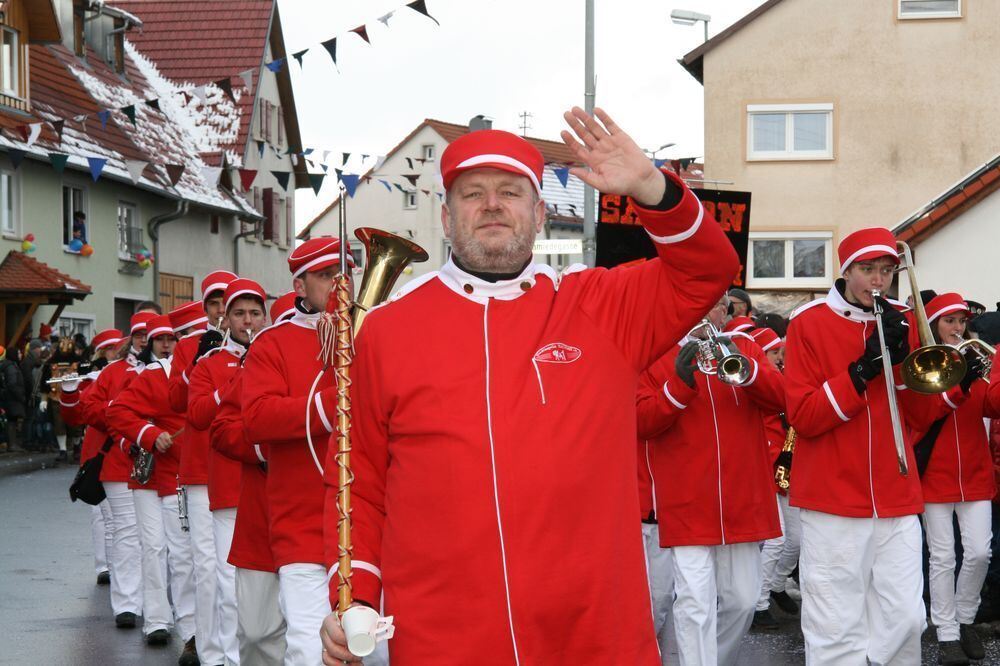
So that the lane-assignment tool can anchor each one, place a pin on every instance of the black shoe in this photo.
(158, 637)
(189, 656)
(125, 620)
(972, 645)
(764, 621)
(785, 602)
(104, 578)
(950, 653)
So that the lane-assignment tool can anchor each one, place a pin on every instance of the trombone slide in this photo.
(890, 387)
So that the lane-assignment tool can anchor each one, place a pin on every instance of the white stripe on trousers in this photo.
(126, 551)
(181, 567)
(305, 601)
(202, 537)
(223, 522)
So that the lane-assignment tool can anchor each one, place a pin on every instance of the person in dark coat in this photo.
(11, 398)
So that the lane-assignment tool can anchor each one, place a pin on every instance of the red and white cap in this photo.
(139, 321)
(106, 338)
(243, 287)
(187, 316)
(943, 304)
(159, 325)
(494, 149)
(866, 244)
(316, 254)
(283, 307)
(766, 338)
(216, 281)
(739, 325)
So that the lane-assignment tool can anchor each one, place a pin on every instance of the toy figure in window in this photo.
(80, 226)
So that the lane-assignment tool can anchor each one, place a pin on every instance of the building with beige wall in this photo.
(841, 115)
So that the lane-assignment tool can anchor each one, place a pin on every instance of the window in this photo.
(791, 260)
(9, 79)
(9, 219)
(264, 109)
(409, 200)
(130, 241)
(114, 47)
(213, 224)
(74, 202)
(910, 9)
(445, 250)
(789, 131)
(69, 325)
(427, 152)
(281, 127)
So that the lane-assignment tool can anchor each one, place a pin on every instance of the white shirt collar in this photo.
(305, 320)
(234, 348)
(479, 290)
(836, 302)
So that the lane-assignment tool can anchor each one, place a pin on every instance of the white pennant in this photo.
(211, 175)
(326, 153)
(247, 77)
(295, 159)
(200, 93)
(34, 130)
(384, 20)
(135, 169)
(379, 162)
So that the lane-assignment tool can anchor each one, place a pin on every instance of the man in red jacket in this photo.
(244, 317)
(495, 420)
(277, 412)
(710, 452)
(860, 562)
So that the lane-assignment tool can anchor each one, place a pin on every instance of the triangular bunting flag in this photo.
(324, 167)
(298, 56)
(362, 32)
(346, 157)
(22, 131)
(340, 174)
(366, 179)
(247, 177)
(409, 160)
(174, 172)
(129, 112)
(307, 151)
(201, 92)
(275, 65)
(260, 149)
(103, 116)
(384, 19)
(16, 156)
(421, 7)
(331, 47)
(659, 163)
(135, 169)
(96, 166)
(211, 174)
(386, 183)
(227, 87)
(350, 182)
(81, 118)
(316, 181)
(154, 104)
(58, 161)
(399, 187)
(562, 174)
(440, 196)
(187, 97)
(412, 177)
(247, 76)
(34, 129)
(379, 161)
(686, 162)
(282, 178)
(58, 125)
(326, 153)
(363, 157)
(427, 192)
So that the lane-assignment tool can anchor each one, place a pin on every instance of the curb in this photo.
(28, 462)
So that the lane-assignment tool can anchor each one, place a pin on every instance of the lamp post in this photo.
(652, 153)
(688, 17)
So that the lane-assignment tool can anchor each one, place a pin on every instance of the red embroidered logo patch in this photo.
(557, 352)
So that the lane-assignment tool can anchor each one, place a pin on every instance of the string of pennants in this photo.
(30, 132)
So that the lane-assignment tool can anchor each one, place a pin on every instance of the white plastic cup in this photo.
(363, 628)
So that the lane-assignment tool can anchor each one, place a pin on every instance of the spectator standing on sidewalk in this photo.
(11, 398)
(31, 371)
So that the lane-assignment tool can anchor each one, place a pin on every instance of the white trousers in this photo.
(261, 626)
(102, 533)
(224, 521)
(305, 601)
(716, 589)
(953, 604)
(660, 572)
(125, 557)
(862, 589)
(181, 567)
(155, 603)
(779, 556)
(202, 536)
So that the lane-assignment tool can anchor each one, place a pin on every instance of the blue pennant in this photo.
(96, 166)
(562, 174)
(103, 117)
(659, 163)
(350, 181)
(386, 183)
(275, 65)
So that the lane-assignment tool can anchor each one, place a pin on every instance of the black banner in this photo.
(621, 239)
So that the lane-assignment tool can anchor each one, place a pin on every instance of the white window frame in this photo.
(409, 200)
(788, 281)
(15, 194)
(911, 16)
(789, 153)
(428, 151)
(16, 51)
(124, 254)
(85, 208)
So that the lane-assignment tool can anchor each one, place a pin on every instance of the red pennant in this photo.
(174, 172)
(362, 32)
(247, 177)
(24, 131)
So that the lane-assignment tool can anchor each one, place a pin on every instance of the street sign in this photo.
(558, 246)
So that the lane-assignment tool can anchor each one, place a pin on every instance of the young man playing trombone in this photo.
(860, 562)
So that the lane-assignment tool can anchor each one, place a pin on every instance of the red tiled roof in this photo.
(201, 42)
(21, 274)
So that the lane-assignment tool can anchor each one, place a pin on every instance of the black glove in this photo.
(210, 340)
(686, 363)
(897, 333)
(973, 371)
(784, 460)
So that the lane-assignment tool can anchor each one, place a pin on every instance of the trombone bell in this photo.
(933, 369)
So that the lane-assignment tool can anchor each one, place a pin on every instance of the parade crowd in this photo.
(501, 417)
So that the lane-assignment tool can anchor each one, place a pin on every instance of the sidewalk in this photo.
(26, 461)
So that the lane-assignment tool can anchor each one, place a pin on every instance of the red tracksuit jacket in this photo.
(73, 415)
(711, 454)
(647, 487)
(251, 548)
(194, 455)
(495, 500)
(209, 377)
(94, 404)
(845, 460)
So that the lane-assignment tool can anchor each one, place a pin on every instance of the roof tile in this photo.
(21, 274)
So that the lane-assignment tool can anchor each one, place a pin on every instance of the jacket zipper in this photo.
(718, 457)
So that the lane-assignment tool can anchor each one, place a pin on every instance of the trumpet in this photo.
(715, 358)
(983, 350)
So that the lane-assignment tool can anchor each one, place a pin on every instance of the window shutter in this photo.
(290, 220)
(267, 121)
(281, 126)
(268, 212)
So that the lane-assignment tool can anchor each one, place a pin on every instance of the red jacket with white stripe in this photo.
(209, 377)
(845, 459)
(495, 457)
(251, 547)
(73, 415)
(647, 498)
(194, 455)
(94, 403)
(960, 468)
(711, 454)
(279, 371)
(141, 413)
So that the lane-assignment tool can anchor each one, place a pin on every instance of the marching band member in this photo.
(957, 483)
(277, 378)
(244, 317)
(739, 324)
(198, 320)
(710, 452)
(477, 384)
(261, 626)
(142, 415)
(861, 542)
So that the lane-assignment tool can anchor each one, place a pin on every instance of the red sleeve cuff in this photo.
(674, 225)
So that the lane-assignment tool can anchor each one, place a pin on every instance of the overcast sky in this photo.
(494, 58)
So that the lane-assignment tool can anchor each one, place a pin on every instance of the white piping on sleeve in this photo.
(671, 398)
(138, 440)
(218, 400)
(538, 373)
(684, 235)
(260, 454)
(833, 401)
(948, 402)
(753, 377)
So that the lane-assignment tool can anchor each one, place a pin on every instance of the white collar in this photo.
(234, 348)
(480, 291)
(841, 307)
(305, 320)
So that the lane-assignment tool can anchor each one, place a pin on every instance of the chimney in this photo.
(480, 122)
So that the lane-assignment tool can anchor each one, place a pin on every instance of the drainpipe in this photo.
(154, 233)
(236, 244)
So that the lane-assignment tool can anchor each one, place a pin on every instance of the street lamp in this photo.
(687, 17)
(652, 153)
